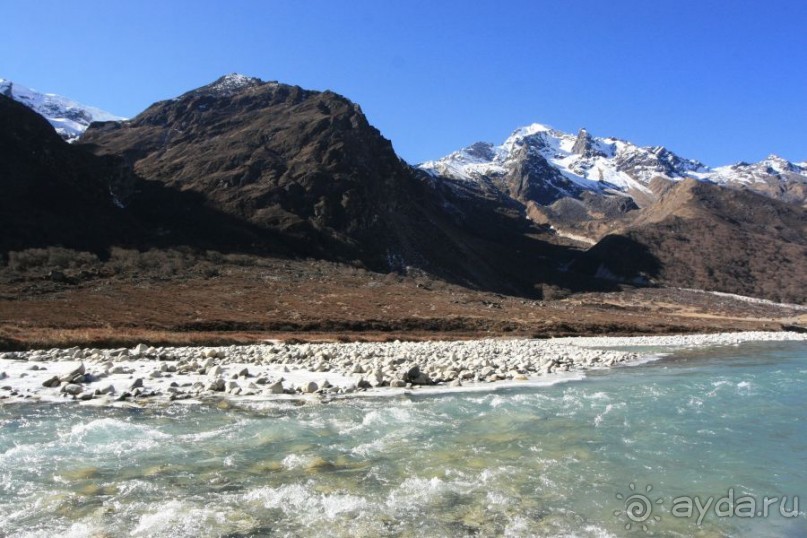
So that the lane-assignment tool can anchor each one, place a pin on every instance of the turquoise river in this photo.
(621, 452)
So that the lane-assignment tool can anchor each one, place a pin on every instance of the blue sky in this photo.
(720, 81)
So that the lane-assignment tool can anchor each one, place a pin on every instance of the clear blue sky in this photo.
(716, 80)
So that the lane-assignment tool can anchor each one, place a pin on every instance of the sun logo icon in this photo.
(638, 507)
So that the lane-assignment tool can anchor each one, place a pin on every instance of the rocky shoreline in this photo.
(146, 375)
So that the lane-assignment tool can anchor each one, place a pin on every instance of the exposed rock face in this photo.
(585, 145)
(531, 178)
(587, 218)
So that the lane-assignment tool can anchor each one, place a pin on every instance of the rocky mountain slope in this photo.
(701, 235)
(307, 168)
(69, 118)
(53, 194)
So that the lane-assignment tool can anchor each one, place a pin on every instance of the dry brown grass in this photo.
(314, 301)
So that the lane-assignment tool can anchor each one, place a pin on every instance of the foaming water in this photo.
(529, 461)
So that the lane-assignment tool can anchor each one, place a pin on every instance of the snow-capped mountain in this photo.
(552, 164)
(773, 176)
(69, 118)
(228, 85)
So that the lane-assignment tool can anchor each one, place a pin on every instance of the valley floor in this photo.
(320, 301)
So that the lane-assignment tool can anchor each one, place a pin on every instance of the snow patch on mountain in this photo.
(772, 166)
(229, 84)
(68, 117)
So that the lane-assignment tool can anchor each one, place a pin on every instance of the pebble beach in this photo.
(146, 375)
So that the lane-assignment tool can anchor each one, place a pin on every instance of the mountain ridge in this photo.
(271, 169)
(609, 165)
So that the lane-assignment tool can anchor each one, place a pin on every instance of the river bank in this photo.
(146, 375)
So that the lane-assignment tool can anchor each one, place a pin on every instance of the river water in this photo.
(622, 452)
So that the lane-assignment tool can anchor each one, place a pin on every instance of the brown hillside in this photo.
(699, 235)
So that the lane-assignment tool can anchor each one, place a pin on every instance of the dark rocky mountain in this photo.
(307, 169)
(586, 146)
(52, 193)
(59, 194)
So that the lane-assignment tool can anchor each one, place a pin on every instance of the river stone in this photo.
(411, 374)
(422, 379)
(72, 389)
(218, 385)
(275, 388)
(78, 379)
(73, 373)
(50, 383)
(110, 389)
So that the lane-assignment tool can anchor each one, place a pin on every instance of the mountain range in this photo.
(540, 164)
(275, 170)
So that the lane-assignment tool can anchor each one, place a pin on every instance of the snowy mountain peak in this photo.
(570, 163)
(228, 84)
(582, 161)
(531, 130)
(68, 117)
(779, 164)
